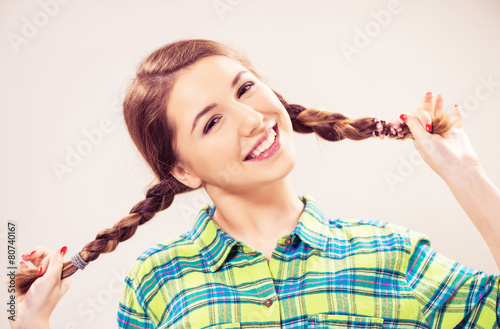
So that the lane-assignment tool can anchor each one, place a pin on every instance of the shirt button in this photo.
(268, 302)
(288, 241)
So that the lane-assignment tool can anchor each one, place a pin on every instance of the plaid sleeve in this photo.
(131, 313)
(451, 294)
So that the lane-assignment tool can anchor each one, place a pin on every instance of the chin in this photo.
(284, 166)
(272, 174)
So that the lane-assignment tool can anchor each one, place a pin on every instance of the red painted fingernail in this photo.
(40, 271)
(403, 117)
(428, 94)
(63, 250)
(456, 105)
(22, 263)
(32, 253)
(428, 127)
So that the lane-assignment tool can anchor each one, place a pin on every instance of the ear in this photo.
(185, 177)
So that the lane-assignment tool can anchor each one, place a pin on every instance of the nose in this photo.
(248, 119)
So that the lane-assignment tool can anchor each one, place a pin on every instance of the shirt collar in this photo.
(215, 244)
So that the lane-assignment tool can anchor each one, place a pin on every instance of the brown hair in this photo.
(146, 119)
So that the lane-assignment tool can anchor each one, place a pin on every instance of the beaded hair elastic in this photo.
(392, 129)
(78, 262)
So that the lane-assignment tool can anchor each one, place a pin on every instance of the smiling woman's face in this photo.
(222, 114)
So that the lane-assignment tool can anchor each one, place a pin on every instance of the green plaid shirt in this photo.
(328, 273)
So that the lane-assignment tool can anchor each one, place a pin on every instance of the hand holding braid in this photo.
(158, 198)
(335, 126)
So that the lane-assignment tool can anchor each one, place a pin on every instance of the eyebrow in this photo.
(208, 108)
(202, 113)
(237, 78)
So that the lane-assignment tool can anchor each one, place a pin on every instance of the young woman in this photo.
(261, 256)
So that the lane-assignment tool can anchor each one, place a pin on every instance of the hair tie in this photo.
(78, 262)
(391, 129)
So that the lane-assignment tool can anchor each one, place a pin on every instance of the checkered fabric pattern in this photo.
(328, 273)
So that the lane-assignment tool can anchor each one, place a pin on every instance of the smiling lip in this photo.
(270, 151)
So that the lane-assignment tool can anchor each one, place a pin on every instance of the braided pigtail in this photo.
(159, 197)
(335, 126)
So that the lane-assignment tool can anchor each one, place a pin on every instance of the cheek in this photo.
(266, 102)
(271, 97)
(219, 153)
(219, 162)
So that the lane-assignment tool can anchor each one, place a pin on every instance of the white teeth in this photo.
(265, 144)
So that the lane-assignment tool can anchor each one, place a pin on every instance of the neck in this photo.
(259, 216)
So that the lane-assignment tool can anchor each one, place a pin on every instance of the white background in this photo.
(69, 74)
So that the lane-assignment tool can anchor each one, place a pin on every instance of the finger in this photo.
(417, 129)
(44, 265)
(66, 282)
(56, 261)
(427, 104)
(458, 120)
(23, 266)
(424, 118)
(28, 256)
(37, 255)
(438, 107)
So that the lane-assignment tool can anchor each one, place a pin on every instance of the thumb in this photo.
(55, 269)
(56, 263)
(417, 130)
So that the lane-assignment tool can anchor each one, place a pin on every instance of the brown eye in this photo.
(244, 88)
(212, 122)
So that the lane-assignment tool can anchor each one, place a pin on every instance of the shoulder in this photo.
(150, 270)
(161, 255)
(363, 232)
(377, 230)
(369, 225)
